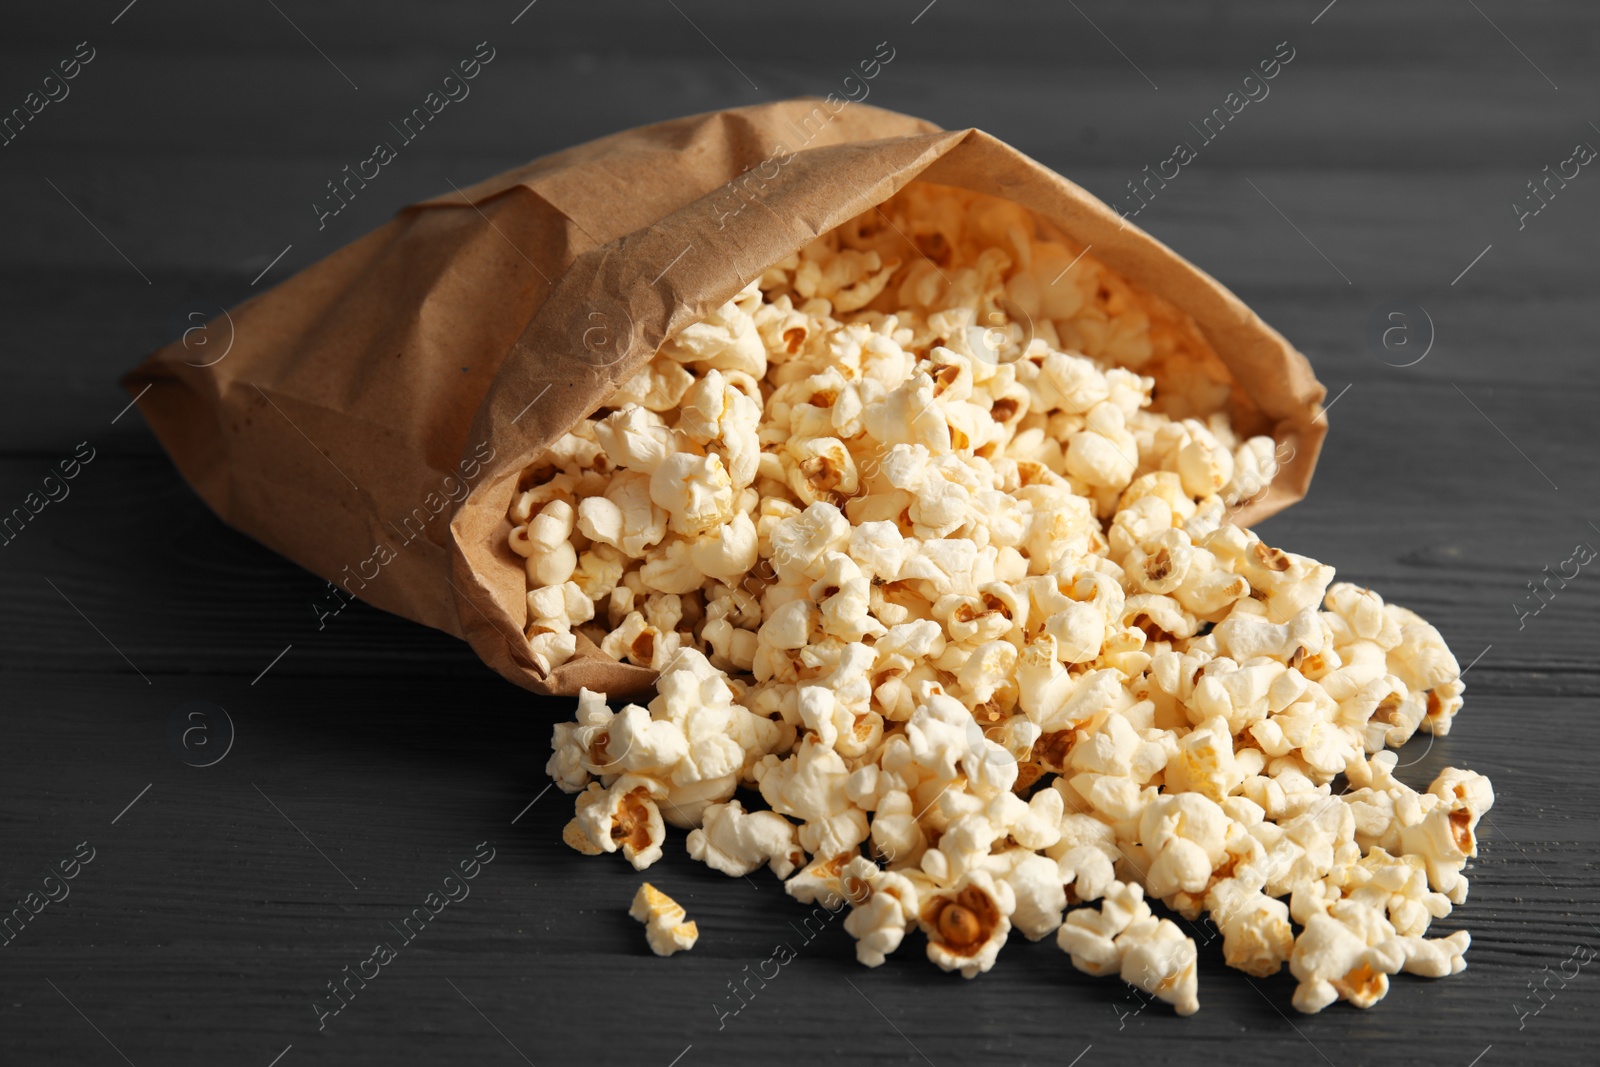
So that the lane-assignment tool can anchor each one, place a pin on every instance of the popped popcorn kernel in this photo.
(967, 924)
(663, 918)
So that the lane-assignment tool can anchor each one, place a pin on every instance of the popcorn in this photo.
(989, 667)
(1160, 959)
(1124, 938)
(623, 816)
(658, 387)
(726, 339)
(881, 913)
(663, 919)
(968, 840)
(1205, 764)
(896, 834)
(1089, 936)
(959, 598)
(669, 568)
(716, 413)
(551, 649)
(1086, 855)
(820, 468)
(581, 748)
(1289, 583)
(1245, 636)
(634, 437)
(1205, 467)
(634, 742)
(811, 787)
(598, 572)
(638, 641)
(728, 551)
(800, 541)
(821, 879)
(736, 843)
(907, 415)
(790, 626)
(555, 608)
(842, 593)
(1256, 936)
(1445, 837)
(967, 924)
(694, 491)
(1040, 894)
(625, 518)
(1184, 834)
(1254, 466)
(1341, 958)
(544, 544)
(1103, 453)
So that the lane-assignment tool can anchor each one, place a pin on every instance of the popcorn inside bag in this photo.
(926, 532)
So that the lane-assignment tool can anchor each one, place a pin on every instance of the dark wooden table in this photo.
(371, 755)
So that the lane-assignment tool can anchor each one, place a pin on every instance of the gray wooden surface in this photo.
(374, 755)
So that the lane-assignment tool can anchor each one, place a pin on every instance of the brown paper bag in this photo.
(375, 410)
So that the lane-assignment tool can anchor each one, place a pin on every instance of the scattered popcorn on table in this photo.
(927, 536)
(663, 921)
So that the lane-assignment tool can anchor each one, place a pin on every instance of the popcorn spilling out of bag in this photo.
(926, 532)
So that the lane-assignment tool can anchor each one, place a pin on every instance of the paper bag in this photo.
(374, 412)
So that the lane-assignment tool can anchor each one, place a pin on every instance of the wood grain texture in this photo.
(373, 755)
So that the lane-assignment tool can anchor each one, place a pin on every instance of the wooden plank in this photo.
(1035, 30)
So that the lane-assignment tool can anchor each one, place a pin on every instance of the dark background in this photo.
(374, 754)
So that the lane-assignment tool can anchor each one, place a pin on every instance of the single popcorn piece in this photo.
(624, 817)
(663, 918)
(1123, 938)
(885, 902)
(736, 842)
(1339, 958)
(694, 491)
(967, 924)
(1256, 935)
(1445, 837)
(1040, 893)
(544, 543)
(1184, 835)
(1089, 935)
(931, 551)
(1159, 958)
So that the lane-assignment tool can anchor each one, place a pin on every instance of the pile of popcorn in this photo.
(926, 532)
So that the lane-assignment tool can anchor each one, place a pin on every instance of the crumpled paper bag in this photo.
(375, 410)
